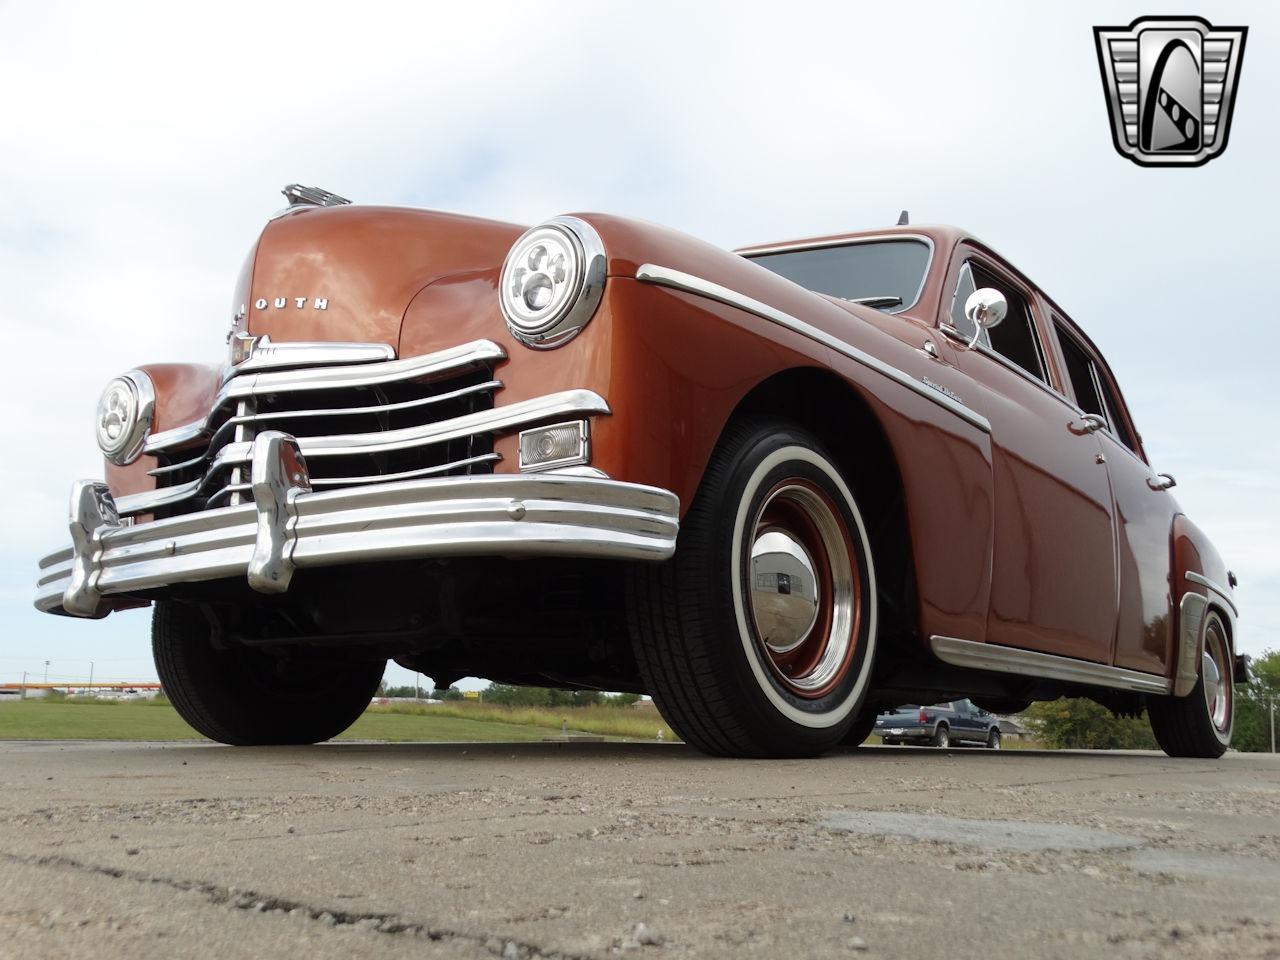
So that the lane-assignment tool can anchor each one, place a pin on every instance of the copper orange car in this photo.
(780, 489)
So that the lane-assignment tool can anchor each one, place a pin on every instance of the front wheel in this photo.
(1199, 724)
(244, 696)
(757, 638)
(861, 729)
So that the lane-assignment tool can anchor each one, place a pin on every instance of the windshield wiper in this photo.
(877, 301)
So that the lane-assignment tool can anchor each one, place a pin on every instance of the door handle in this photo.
(1161, 481)
(1088, 423)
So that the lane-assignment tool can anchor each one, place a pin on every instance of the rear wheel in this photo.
(1199, 724)
(244, 696)
(942, 737)
(993, 739)
(757, 638)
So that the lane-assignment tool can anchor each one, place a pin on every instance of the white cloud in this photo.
(142, 148)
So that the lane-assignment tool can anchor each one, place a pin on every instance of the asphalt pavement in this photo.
(115, 850)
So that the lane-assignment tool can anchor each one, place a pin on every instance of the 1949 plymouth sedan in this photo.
(780, 490)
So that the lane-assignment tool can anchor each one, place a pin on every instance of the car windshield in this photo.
(888, 274)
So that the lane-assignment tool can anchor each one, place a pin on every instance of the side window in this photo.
(1015, 337)
(1093, 393)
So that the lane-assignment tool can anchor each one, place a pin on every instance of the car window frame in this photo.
(1062, 325)
(804, 245)
(966, 253)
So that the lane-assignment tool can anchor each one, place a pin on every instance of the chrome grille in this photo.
(359, 424)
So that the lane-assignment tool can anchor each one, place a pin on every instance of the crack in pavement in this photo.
(252, 901)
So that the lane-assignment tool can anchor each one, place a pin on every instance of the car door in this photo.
(1053, 577)
(1144, 509)
(963, 726)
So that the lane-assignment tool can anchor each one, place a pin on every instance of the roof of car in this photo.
(940, 235)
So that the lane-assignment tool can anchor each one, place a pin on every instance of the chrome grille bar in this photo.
(404, 475)
(427, 366)
(329, 412)
(493, 420)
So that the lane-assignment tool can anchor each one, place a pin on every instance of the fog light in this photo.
(559, 445)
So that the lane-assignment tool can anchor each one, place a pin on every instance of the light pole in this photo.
(1272, 703)
(23, 694)
(46, 671)
(91, 677)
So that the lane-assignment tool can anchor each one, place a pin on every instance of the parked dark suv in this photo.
(940, 725)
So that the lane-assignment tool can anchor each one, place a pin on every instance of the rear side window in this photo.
(1093, 393)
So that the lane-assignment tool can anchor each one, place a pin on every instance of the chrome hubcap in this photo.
(805, 595)
(784, 590)
(1215, 671)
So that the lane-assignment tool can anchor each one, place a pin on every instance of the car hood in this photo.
(349, 272)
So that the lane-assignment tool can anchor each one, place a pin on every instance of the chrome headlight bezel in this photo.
(574, 290)
(131, 399)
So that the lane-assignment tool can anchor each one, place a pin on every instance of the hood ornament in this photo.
(300, 196)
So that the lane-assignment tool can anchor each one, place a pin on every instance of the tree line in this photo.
(1078, 724)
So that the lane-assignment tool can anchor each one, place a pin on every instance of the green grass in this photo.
(642, 722)
(68, 720)
(143, 720)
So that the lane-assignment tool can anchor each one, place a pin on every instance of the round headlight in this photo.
(552, 281)
(123, 419)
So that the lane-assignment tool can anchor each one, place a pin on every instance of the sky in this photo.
(143, 147)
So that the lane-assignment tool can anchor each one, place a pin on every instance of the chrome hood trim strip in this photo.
(688, 283)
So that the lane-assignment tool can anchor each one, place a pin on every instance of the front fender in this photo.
(184, 393)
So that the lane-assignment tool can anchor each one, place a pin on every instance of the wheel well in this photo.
(808, 396)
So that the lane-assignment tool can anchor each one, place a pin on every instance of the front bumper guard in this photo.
(288, 526)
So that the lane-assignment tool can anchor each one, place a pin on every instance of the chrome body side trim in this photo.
(1029, 663)
(1191, 620)
(798, 246)
(665, 276)
(1217, 588)
(286, 526)
(331, 378)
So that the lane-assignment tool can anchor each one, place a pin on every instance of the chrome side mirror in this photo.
(985, 308)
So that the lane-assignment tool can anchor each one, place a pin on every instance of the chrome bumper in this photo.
(288, 526)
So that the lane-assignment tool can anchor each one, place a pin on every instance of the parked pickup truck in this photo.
(940, 725)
